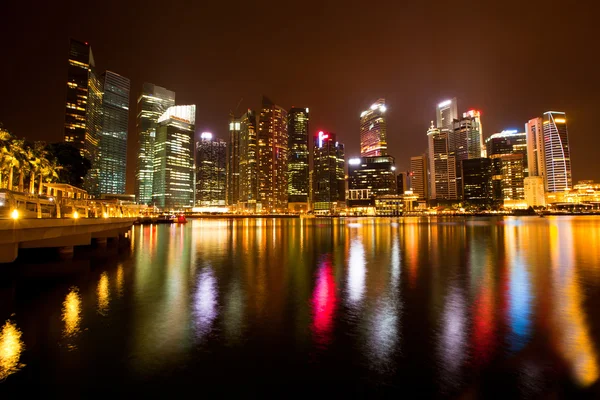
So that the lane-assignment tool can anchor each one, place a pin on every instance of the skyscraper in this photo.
(373, 130)
(373, 175)
(419, 183)
(151, 104)
(329, 191)
(83, 116)
(507, 142)
(442, 165)
(233, 161)
(557, 153)
(298, 159)
(446, 113)
(112, 146)
(477, 181)
(173, 180)
(211, 164)
(536, 162)
(508, 173)
(248, 181)
(272, 157)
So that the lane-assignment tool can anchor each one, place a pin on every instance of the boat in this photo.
(165, 219)
(181, 219)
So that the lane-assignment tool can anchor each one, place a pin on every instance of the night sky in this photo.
(512, 60)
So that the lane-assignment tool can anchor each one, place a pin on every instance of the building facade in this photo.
(272, 157)
(248, 190)
(173, 179)
(329, 185)
(233, 161)
(557, 153)
(446, 112)
(508, 174)
(477, 181)
(533, 188)
(373, 130)
(211, 171)
(418, 176)
(151, 104)
(369, 177)
(536, 160)
(298, 163)
(112, 145)
(442, 166)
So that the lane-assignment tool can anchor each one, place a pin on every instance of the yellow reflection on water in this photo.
(11, 347)
(103, 293)
(71, 313)
(120, 281)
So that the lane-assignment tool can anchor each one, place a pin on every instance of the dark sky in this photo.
(511, 60)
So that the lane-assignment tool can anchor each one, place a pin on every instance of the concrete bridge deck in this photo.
(55, 232)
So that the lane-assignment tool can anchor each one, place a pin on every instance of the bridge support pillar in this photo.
(8, 252)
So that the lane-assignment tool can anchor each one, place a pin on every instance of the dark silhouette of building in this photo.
(298, 163)
(329, 185)
(211, 171)
(477, 181)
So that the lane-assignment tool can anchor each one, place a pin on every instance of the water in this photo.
(481, 307)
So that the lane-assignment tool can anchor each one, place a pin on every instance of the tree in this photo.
(74, 166)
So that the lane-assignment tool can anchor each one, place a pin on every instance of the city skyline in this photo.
(336, 94)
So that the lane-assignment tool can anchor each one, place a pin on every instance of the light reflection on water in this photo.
(445, 299)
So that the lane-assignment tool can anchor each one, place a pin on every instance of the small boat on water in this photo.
(165, 219)
(181, 219)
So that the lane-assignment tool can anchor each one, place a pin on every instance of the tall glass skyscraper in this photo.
(298, 159)
(112, 146)
(442, 166)
(233, 162)
(557, 152)
(248, 182)
(272, 157)
(536, 159)
(173, 180)
(83, 116)
(446, 113)
(373, 130)
(329, 185)
(211, 176)
(151, 104)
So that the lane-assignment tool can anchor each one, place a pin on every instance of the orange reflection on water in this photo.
(103, 293)
(572, 336)
(11, 347)
(120, 280)
(71, 313)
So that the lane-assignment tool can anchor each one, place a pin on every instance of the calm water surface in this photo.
(498, 307)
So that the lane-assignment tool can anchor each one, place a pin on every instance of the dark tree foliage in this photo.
(74, 166)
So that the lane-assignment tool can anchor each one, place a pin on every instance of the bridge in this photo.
(34, 233)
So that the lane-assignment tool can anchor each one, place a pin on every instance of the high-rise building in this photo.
(298, 163)
(370, 177)
(465, 142)
(536, 161)
(173, 180)
(419, 184)
(272, 157)
(83, 116)
(442, 165)
(534, 191)
(329, 191)
(112, 145)
(557, 152)
(507, 142)
(477, 181)
(508, 172)
(211, 171)
(151, 104)
(248, 181)
(233, 161)
(446, 113)
(401, 182)
(373, 130)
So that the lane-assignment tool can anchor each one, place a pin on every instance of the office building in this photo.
(329, 190)
(272, 157)
(477, 181)
(211, 171)
(151, 104)
(507, 142)
(112, 144)
(508, 173)
(373, 130)
(370, 177)
(557, 153)
(446, 113)
(248, 182)
(83, 116)
(536, 160)
(233, 161)
(401, 182)
(173, 180)
(418, 176)
(298, 165)
(534, 191)
(442, 166)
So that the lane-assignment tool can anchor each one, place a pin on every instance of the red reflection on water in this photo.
(324, 301)
(483, 325)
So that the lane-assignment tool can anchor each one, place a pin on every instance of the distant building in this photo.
(477, 181)
(446, 113)
(373, 130)
(211, 171)
(419, 182)
(465, 142)
(151, 104)
(442, 166)
(112, 145)
(401, 182)
(370, 177)
(298, 165)
(557, 152)
(233, 161)
(248, 160)
(536, 160)
(83, 115)
(508, 142)
(533, 188)
(329, 186)
(508, 173)
(173, 180)
(272, 157)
